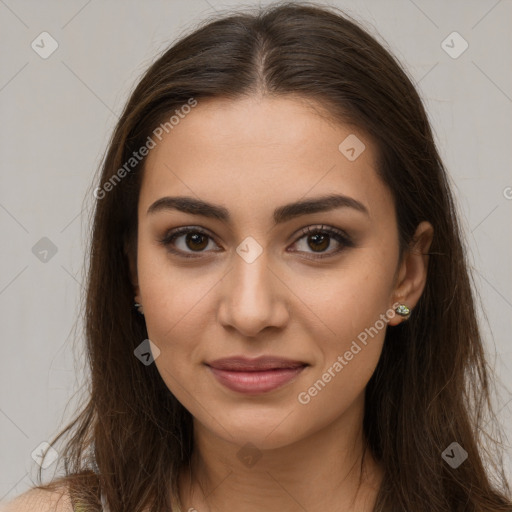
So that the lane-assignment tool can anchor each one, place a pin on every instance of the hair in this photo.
(431, 387)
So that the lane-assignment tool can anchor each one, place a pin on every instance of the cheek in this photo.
(353, 302)
(172, 295)
(352, 297)
(174, 307)
(348, 359)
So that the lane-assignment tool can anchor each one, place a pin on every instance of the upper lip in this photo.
(241, 364)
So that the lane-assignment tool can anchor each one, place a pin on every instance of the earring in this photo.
(402, 310)
(139, 308)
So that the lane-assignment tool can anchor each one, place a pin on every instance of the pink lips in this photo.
(254, 376)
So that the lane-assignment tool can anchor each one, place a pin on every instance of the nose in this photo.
(254, 297)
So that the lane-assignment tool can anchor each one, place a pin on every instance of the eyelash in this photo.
(340, 236)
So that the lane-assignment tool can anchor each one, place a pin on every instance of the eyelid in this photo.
(315, 228)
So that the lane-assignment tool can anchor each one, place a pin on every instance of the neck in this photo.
(325, 471)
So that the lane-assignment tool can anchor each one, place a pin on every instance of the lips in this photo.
(242, 364)
(255, 376)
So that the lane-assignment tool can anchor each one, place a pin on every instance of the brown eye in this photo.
(196, 241)
(191, 242)
(186, 241)
(319, 239)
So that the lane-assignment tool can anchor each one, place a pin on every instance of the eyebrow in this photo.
(281, 214)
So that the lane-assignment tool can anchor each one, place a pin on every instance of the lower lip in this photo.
(255, 382)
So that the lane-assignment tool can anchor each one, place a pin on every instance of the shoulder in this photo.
(39, 500)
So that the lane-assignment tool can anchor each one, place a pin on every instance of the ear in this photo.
(130, 253)
(412, 275)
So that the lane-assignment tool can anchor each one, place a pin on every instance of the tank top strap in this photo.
(80, 507)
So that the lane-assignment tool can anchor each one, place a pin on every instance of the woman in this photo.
(279, 312)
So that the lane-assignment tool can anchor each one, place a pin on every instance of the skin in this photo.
(285, 303)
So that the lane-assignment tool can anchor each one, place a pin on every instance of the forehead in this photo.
(259, 152)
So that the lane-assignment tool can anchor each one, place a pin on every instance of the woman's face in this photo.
(248, 282)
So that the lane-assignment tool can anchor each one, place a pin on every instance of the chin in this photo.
(267, 430)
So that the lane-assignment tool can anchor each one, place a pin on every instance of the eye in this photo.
(319, 239)
(194, 239)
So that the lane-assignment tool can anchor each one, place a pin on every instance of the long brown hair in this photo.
(431, 387)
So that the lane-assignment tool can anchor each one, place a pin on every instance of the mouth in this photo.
(255, 376)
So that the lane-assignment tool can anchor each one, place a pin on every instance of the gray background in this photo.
(58, 113)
